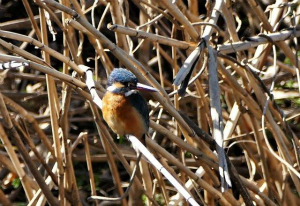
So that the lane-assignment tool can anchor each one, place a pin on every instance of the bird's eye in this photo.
(130, 84)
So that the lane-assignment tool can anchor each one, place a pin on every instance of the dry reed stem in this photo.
(173, 9)
(108, 151)
(188, 172)
(36, 153)
(17, 140)
(54, 108)
(25, 114)
(32, 20)
(89, 165)
(42, 47)
(16, 163)
(4, 200)
(152, 37)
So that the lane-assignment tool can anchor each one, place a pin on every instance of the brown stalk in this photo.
(69, 178)
(54, 108)
(4, 200)
(117, 19)
(173, 9)
(34, 149)
(282, 45)
(202, 183)
(17, 140)
(89, 165)
(25, 179)
(108, 151)
(20, 110)
(32, 20)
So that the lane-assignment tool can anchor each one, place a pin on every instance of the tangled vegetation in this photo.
(238, 82)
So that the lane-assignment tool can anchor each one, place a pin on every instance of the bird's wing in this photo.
(141, 106)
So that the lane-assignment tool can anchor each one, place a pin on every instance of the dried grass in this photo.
(56, 143)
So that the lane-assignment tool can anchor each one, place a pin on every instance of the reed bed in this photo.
(237, 62)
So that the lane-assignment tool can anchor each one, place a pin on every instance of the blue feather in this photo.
(121, 75)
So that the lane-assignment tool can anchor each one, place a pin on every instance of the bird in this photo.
(124, 109)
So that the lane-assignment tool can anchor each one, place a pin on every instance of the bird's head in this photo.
(122, 81)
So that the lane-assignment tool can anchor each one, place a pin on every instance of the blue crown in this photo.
(121, 75)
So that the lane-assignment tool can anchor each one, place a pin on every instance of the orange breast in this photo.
(121, 117)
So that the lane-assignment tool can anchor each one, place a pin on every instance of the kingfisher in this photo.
(124, 109)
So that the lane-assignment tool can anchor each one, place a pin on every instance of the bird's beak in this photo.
(144, 87)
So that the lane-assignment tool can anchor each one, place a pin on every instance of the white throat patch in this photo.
(111, 88)
(130, 93)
